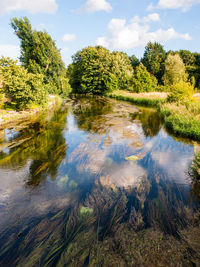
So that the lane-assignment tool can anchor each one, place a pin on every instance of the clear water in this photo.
(70, 196)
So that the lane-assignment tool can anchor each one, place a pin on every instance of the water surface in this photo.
(69, 195)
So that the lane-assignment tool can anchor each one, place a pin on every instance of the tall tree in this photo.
(154, 58)
(174, 70)
(39, 54)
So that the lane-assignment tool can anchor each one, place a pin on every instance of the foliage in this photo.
(134, 61)
(191, 61)
(122, 69)
(181, 91)
(187, 57)
(21, 87)
(174, 70)
(143, 81)
(39, 55)
(1, 91)
(153, 59)
(91, 71)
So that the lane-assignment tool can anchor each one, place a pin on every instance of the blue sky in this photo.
(124, 25)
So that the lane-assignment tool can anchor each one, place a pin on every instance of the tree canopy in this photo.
(154, 58)
(91, 71)
(174, 70)
(143, 81)
(39, 54)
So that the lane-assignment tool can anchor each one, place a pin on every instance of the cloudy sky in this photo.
(125, 25)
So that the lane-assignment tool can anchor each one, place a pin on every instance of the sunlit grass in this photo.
(183, 119)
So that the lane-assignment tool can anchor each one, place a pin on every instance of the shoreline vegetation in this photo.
(182, 118)
(166, 80)
(10, 117)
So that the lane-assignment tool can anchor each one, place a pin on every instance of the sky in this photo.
(122, 25)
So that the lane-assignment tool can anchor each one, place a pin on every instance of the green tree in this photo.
(121, 67)
(91, 71)
(154, 58)
(174, 70)
(143, 81)
(134, 61)
(39, 54)
(187, 57)
(21, 87)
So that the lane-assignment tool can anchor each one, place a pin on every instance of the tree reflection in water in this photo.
(43, 143)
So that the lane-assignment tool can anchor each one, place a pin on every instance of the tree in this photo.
(39, 54)
(134, 61)
(122, 69)
(153, 59)
(21, 87)
(187, 57)
(174, 70)
(91, 71)
(143, 81)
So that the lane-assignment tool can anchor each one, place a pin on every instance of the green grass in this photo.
(181, 119)
(138, 99)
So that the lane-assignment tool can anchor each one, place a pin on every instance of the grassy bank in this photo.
(182, 119)
(152, 99)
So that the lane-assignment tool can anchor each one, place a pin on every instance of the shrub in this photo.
(181, 92)
(22, 87)
(143, 81)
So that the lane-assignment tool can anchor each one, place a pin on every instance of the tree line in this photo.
(94, 70)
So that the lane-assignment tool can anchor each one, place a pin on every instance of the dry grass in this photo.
(150, 95)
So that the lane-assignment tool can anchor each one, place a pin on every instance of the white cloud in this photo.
(35, 6)
(69, 37)
(96, 5)
(122, 35)
(174, 4)
(12, 51)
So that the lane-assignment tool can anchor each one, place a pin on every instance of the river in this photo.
(98, 182)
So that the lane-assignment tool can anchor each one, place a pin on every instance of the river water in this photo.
(98, 182)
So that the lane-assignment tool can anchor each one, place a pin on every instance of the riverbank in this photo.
(148, 99)
(9, 118)
(182, 119)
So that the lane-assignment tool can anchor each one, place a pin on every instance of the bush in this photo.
(22, 87)
(181, 92)
(143, 81)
